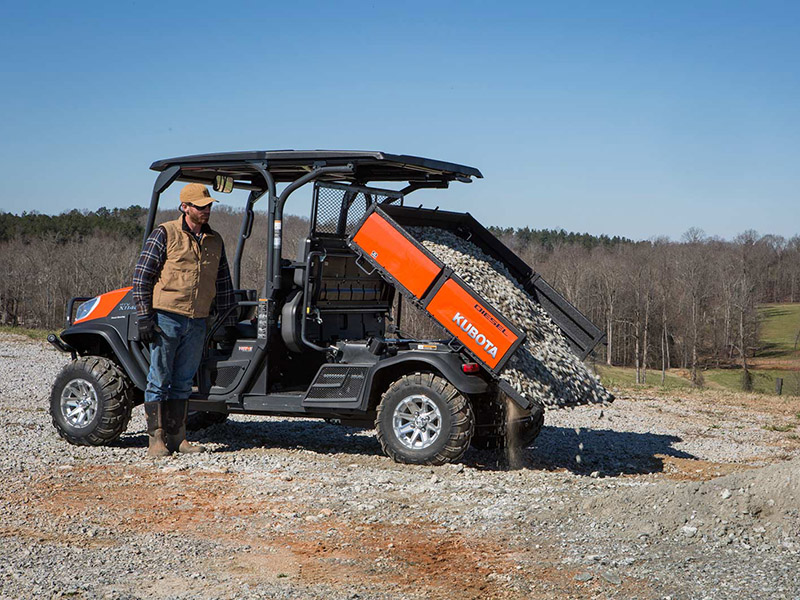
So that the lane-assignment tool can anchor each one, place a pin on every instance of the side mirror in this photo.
(223, 183)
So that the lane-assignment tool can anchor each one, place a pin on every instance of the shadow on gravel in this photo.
(607, 452)
(233, 436)
(131, 440)
(315, 436)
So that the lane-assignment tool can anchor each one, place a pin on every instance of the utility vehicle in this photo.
(323, 339)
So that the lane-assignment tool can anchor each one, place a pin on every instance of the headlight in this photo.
(85, 309)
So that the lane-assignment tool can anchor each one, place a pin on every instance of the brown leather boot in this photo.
(154, 412)
(176, 428)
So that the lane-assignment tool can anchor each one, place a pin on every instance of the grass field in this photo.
(779, 325)
(779, 329)
(763, 380)
(626, 377)
(777, 357)
(35, 334)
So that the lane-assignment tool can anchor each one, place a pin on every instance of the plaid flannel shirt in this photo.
(148, 268)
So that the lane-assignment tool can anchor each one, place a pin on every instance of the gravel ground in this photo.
(661, 496)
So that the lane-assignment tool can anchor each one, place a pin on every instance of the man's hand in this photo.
(148, 329)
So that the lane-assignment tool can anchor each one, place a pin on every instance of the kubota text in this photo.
(473, 332)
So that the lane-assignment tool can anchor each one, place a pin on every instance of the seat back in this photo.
(349, 302)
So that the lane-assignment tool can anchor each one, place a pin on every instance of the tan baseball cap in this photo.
(197, 194)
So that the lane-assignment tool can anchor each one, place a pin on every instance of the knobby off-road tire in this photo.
(200, 419)
(499, 423)
(422, 419)
(91, 401)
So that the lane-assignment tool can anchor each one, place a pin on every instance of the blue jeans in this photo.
(174, 357)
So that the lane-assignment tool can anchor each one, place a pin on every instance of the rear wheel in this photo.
(91, 401)
(423, 419)
(500, 423)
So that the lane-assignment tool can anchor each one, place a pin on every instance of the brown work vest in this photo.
(188, 280)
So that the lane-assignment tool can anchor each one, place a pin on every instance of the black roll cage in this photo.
(259, 172)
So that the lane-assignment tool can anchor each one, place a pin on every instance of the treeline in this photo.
(663, 304)
(75, 224)
(48, 260)
(548, 239)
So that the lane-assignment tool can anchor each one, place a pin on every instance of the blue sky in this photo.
(631, 118)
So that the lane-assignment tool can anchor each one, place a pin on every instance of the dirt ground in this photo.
(322, 549)
(656, 496)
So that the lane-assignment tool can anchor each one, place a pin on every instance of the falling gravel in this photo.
(544, 369)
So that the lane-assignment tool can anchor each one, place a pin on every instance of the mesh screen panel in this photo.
(226, 376)
(339, 210)
(345, 382)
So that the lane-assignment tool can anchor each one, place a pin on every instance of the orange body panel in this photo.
(108, 301)
(475, 325)
(402, 259)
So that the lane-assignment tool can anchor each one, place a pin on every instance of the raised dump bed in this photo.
(480, 327)
(383, 240)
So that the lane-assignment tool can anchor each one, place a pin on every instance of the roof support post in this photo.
(163, 181)
(274, 282)
(272, 200)
(244, 234)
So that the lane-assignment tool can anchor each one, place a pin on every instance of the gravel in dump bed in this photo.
(544, 369)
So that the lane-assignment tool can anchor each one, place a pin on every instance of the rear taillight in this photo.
(470, 367)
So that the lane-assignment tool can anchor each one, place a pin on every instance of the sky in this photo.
(638, 118)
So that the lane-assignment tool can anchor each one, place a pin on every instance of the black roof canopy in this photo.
(289, 165)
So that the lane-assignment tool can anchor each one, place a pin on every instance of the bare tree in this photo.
(693, 273)
(610, 277)
(744, 300)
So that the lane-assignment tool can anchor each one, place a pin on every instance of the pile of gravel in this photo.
(755, 507)
(543, 369)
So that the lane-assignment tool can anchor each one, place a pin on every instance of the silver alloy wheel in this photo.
(417, 421)
(79, 402)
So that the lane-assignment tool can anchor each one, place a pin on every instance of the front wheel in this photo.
(91, 401)
(422, 419)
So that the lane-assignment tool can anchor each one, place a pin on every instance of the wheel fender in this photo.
(448, 365)
(77, 335)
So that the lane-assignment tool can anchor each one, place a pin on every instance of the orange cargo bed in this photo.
(483, 331)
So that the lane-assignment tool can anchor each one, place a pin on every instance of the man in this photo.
(181, 270)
